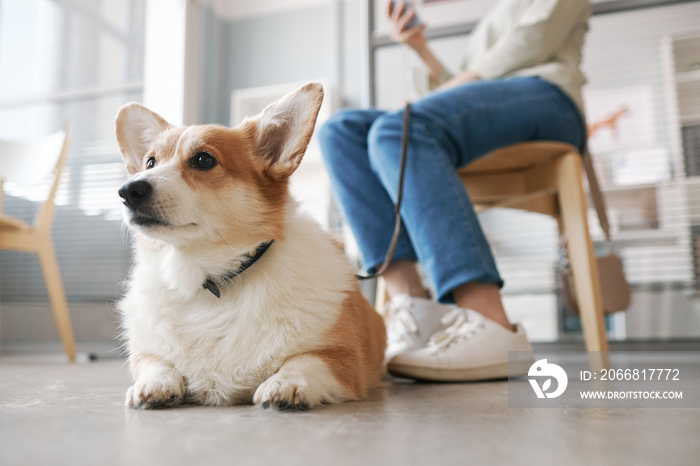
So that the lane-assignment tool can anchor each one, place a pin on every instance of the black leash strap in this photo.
(397, 206)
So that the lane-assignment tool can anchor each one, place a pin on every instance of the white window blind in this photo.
(78, 60)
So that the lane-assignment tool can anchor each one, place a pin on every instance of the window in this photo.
(78, 60)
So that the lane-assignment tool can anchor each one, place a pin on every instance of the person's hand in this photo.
(399, 16)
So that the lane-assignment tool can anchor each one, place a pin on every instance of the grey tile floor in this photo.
(55, 413)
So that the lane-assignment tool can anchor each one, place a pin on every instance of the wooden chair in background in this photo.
(27, 164)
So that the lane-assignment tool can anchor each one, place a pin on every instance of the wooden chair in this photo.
(27, 164)
(544, 177)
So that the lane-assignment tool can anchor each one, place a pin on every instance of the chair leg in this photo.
(574, 217)
(52, 277)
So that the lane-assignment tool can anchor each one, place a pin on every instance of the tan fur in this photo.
(338, 244)
(357, 342)
(237, 163)
(231, 149)
(270, 134)
(134, 149)
(164, 148)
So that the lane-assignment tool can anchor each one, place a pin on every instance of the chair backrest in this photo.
(28, 163)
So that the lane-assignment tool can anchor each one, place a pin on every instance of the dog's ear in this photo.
(136, 127)
(283, 130)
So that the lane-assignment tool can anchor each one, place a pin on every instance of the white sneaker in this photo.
(470, 348)
(410, 322)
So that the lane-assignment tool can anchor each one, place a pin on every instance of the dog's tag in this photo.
(211, 286)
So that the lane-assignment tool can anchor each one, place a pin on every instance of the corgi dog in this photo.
(236, 296)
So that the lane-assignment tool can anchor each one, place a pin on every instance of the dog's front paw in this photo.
(156, 392)
(285, 394)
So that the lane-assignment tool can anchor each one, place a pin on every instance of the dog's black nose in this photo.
(135, 193)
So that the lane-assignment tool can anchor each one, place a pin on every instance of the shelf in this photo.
(688, 77)
(629, 187)
(632, 187)
(648, 237)
(690, 120)
(677, 182)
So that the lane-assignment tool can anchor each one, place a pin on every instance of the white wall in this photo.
(240, 9)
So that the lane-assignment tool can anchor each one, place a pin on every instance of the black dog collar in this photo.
(246, 262)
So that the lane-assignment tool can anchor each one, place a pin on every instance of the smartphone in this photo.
(414, 21)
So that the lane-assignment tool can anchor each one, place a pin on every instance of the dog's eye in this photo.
(203, 161)
(150, 163)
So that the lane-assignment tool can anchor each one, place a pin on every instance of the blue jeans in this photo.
(449, 129)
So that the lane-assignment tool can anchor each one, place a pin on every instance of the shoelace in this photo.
(460, 323)
(400, 322)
